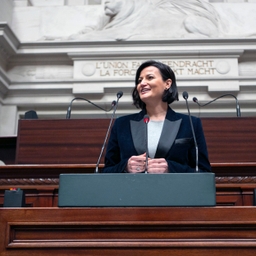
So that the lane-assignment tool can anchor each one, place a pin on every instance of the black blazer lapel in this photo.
(138, 131)
(168, 135)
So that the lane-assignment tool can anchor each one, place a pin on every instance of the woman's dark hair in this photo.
(166, 72)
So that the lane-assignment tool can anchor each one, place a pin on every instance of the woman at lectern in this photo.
(157, 139)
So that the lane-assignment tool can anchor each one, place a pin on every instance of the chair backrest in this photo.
(31, 114)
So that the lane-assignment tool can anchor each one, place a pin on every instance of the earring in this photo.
(170, 90)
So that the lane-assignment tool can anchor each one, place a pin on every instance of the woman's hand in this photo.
(136, 164)
(157, 165)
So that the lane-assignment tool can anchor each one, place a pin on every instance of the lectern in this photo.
(135, 190)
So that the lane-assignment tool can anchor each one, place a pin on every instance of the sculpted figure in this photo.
(200, 17)
(148, 19)
(154, 19)
(120, 13)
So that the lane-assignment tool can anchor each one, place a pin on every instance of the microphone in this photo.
(238, 111)
(118, 95)
(146, 120)
(185, 96)
(68, 115)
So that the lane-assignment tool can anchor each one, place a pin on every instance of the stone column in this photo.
(6, 11)
(8, 119)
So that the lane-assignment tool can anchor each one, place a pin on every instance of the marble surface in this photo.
(135, 20)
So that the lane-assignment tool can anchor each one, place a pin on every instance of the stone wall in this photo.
(52, 53)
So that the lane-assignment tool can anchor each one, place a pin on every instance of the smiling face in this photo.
(151, 85)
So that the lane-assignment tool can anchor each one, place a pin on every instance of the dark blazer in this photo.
(176, 143)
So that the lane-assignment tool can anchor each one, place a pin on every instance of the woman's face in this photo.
(151, 85)
(113, 7)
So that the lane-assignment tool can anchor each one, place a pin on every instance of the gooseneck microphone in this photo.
(68, 115)
(146, 120)
(118, 95)
(185, 96)
(238, 111)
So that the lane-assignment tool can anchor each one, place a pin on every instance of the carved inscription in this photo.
(180, 67)
(192, 67)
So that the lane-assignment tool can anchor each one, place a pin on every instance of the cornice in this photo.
(170, 42)
(9, 43)
(66, 51)
(175, 46)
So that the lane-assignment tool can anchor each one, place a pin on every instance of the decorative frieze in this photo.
(239, 180)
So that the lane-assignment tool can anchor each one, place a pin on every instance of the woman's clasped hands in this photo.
(137, 164)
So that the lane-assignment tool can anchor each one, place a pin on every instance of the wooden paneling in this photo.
(128, 231)
(62, 141)
(48, 196)
(229, 140)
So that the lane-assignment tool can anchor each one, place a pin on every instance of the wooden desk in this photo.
(235, 183)
(138, 231)
(46, 148)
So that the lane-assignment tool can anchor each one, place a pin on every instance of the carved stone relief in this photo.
(139, 20)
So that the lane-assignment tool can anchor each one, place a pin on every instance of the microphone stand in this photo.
(119, 95)
(185, 96)
(146, 120)
(68, 115)
(238, 111)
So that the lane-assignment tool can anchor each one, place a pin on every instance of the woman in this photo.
(170, 141)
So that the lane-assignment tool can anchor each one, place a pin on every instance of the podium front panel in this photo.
(111, 190)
